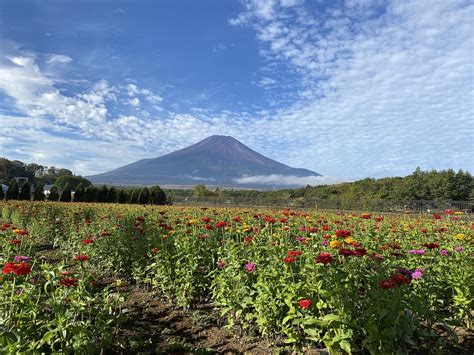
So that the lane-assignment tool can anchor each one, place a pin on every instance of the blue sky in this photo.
(349, 89)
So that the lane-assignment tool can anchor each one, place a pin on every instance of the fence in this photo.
(429, 206)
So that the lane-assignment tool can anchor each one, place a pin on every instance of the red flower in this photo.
(15, 241)
(324, 258)
(342, 233)
(448, 212)
(248, 240)
(81, 257)
(68, 281)
(387, 284)
(365, 216)
(325, 228)
(423, 230)
(431, 245)
(400, 279)
(205, 219)
(87, 241)
(289, 260)
(436, 216)
(269, 219)
(305, 303)
(155, 250)
(283, 220)
(293, 253)
(221, 224)
(360, 252)
(237, 219)
(379, 219)
(16, 268)
(345, 252)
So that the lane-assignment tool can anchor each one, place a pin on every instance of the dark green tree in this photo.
(144, 196)
(112, 195)
(2, 195)
(91, 193)
(25, 192)
(66, 194)
(13, 190)
(122, 196)
(53, 194)
(39, 193)
(157, 195)
(102, 194)
(134, 195)
(79, 195)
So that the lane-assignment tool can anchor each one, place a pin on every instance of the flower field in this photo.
(350, 283)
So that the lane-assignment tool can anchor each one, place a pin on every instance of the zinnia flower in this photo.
(87, 241)
(68, 281)
(289, 260)
(400, 279)
(444, 252)
(81, 257)
(221, 224)
(16, 268)
(342, 233)
(345, 252)
(431, 245)
(417, 274)
(294, 253)
(324, 258)
(335, 244)
(305, 303)
(387, 284)
(416, 252)
(21, 259)
(250, 267)
(459, 249)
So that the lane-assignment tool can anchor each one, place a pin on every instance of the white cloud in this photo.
(59, 58)
(134, 102)
(289, 180)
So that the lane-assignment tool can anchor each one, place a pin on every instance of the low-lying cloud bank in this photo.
(289, 180)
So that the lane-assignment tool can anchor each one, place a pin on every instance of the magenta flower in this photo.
(444, 252)
(416, 252)
(21, 259)
(459, 249)
(417, 274)
(220, 264)
(324, 242)
(250, 267)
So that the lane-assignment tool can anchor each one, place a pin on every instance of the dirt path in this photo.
(155, 326)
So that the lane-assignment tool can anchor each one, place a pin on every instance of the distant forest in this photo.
(65, 187)
(443, 185)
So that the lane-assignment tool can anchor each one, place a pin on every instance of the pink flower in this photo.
(444, 252)
(416, 252)
(417, 274)
(250, 267)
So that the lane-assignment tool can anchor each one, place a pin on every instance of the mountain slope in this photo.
(216, 160)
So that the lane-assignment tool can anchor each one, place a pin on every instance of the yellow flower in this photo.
(349, 240)
(459, 236)
(458, 212)
(335, 244)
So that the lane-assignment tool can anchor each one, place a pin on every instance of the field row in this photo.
(341, 281)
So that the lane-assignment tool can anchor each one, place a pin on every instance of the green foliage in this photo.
(13, 190)
(66, 194)
(25, 192)
(53, 194)
(112, 195)
(39, 193)
(144, 196)
(2, 195)
(102, 194)
(73, 182)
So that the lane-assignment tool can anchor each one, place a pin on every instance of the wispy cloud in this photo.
(289, 180)
(59, 58)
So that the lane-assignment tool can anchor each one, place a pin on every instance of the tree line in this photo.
(443, 185)
(85, 193)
